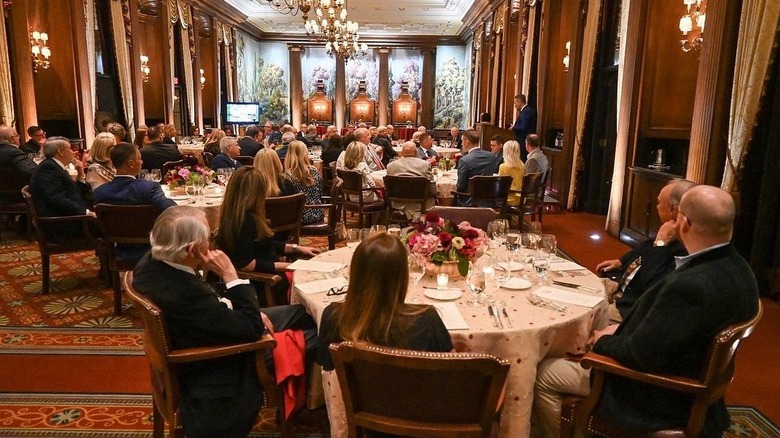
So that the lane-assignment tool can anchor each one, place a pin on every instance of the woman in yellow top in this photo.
(514, 167)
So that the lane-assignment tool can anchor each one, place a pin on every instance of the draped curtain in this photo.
(589, 52)
(227, 39)
(6, 88)
(185, 18)
(757, 28)
(122, 51)
(89, 12)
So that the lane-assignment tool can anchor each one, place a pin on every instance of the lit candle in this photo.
(442, 280)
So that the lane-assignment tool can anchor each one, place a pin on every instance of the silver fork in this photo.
(536, 301)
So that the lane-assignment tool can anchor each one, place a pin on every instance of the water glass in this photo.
(502, 268)
(394, 230)
(353, 238)
(475, 280)
(513, 241)
(378, 229)
(155, 175)
(222, 175)
(497, 230)
(416, 272)
(548, 243)
(143, 174)
(190, 189)
(364, 233)
(541, 265)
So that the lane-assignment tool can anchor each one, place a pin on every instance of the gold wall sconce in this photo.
(202, 79)
(145, 68)
(40, 50)
(692, 25)
(566, 57)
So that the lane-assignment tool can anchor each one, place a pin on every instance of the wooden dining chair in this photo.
(208, 157)
(116, 229)
(579, 414)
(476, 216)
(285, 215)
(11, 199)
(47, 247)
(403, 191)
(355, 197)
(164, 361)
(417, 393)
(245, 160)
(487, 191)
(329, 226)
(530, 203)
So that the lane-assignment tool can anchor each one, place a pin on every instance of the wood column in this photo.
(165, 27)
(135, 61)
(341, 92)
(23, 81)
(83, 87)
(428, 86)
(710, 125)
(296, 84)
(383, 100)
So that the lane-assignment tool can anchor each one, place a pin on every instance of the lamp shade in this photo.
(686, 24)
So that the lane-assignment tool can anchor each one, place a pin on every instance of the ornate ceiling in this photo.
(376, 17)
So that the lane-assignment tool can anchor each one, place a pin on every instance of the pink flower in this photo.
(184, 173)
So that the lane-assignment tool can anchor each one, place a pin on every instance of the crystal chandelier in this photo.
(292, 7)
(346, 43)
(339, 34)
(693, 23)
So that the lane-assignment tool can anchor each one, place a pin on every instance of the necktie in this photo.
(375, 158)
(633, 266)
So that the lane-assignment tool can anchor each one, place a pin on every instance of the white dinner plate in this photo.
(442, 294)
(178, 197)
(514, 266)
(215, 195)
(517, 283)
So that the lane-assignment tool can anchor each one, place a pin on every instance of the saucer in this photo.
(442, 294)
(517, 283)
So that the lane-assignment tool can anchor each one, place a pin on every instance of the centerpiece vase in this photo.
(448, 267)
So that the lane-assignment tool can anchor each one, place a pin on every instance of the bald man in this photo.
(11, 156)
(669, 328)
(410, 165)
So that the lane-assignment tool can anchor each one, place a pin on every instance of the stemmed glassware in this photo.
(190, 189)
(416, 272)
(502, 268)
(475, 280)
(545, 252)
(497, 231)
(222, 175)
(155, 175)
(353, 238)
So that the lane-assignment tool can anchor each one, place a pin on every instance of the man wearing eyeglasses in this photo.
(35, 144)
(669, 329)
(11, 156)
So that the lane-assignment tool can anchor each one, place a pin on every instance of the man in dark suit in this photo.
(249, 142)
(525, 123)
(227, 159)
(11, 156)
(56, 192)
(497, 148)
(156, 153)
(330, 132)
(382, 140)
(646, 264)
(425, 150)
(35, 144)
(218, 397)
(455, 138)
(669, 329)
(272, 133)
(476, 161)
(126, 189)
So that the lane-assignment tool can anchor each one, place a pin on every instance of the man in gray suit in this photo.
(475, 161)
(410, 165)
(537, 161)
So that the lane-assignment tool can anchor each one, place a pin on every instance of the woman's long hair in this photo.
(212, 144)
(298, 165)
(374, 309)
(356, 152)
(100, 152)
(335, 142)
(245, 194)
(268, 163)
(512, 154)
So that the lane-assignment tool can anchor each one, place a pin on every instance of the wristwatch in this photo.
(295, 247)
(659, 242)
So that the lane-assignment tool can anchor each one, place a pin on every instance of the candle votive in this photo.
(442, 280)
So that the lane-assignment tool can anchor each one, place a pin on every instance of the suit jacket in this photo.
(537, 162)
(456, 142)
(219, 397)
(13, 157)
(476, 162)
(249, 146)
(223, 161)
(55, 192)
(388, 153)
(156, 154)
(657, 262)
(30, 147)
(524, 124)
(410, 166)
(274, 137)
(669, 330)
(425, 153)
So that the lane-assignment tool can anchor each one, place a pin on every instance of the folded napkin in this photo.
(317, 286)
(451, 316)
(315, 266)
(565, 266)
(564, 296)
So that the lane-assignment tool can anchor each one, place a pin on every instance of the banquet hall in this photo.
(625, 96)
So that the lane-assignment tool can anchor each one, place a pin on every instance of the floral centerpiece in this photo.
(437, 242)
(183, 175)
(444, 163)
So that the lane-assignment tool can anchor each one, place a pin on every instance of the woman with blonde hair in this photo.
(375, 310)
(354, 159)
(244, 234)
(267, 161)
(304, 179)
(514, 167)
(100, 169)
(212, 144)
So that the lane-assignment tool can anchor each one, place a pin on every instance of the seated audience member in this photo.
(169, 134)
(218, 397)
(669, 329)
(35, 144)
(497, 148)
(651, 261)
(383, 141)
(227, 159)
(454, 137)
(244, 234)
(332, 150)
(56, 192)
(375, 310)
(287, 138)
(272, 133)
(537, 161)
(373, 161)
(422, 128)
(300, 134)
(513, 167)
(310, 137)
(354, 159)
(391, 132)
(410, 165)
(425, 150)
(305, 179)
(229, 131)
(475, 161)
(140, 139)
(267, 161)
(118, 131)
(250, 142)
(11, 156)
(212, 145)
(194, 134)
(330, 132)
(126, 189)
(156, 153)
(100, 170)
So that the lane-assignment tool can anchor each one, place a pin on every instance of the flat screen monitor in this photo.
(243, 112)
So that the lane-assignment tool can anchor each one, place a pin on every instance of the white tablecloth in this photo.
(445, 183)
(210, 203)
(537, 333)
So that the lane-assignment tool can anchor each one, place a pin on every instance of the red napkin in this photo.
(289, 361)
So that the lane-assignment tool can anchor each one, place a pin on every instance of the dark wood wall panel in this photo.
(55, 92)
(670, 82)
(153, 43)
(208, 64)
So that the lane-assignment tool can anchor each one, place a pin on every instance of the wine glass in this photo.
(190, 189)
(378, 229)
(541, 264)
(416, 272)
(394, 230)
(353, 238)
(143, 174)
(155, 175)
(222, 176)
(549, 244)
(502, 268)
(513, 241)
(364, 233)
(475, 280)
(497, 230)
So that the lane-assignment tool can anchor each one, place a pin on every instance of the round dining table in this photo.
(195, 149)
(210, 202)
(535, 333)
(445, 182)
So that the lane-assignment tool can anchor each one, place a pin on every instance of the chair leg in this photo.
(158, 422)
(45, 270)
(331, 243)
(117, 286)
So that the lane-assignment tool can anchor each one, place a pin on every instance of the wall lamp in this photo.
(40, 50)
(145, 68)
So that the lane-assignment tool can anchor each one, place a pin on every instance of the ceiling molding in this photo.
(417, 41)
(480, 11)
(223, 11)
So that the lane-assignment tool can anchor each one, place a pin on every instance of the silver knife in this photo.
(492, 316)
(576, 286)
(498, 315)
(506, 316)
